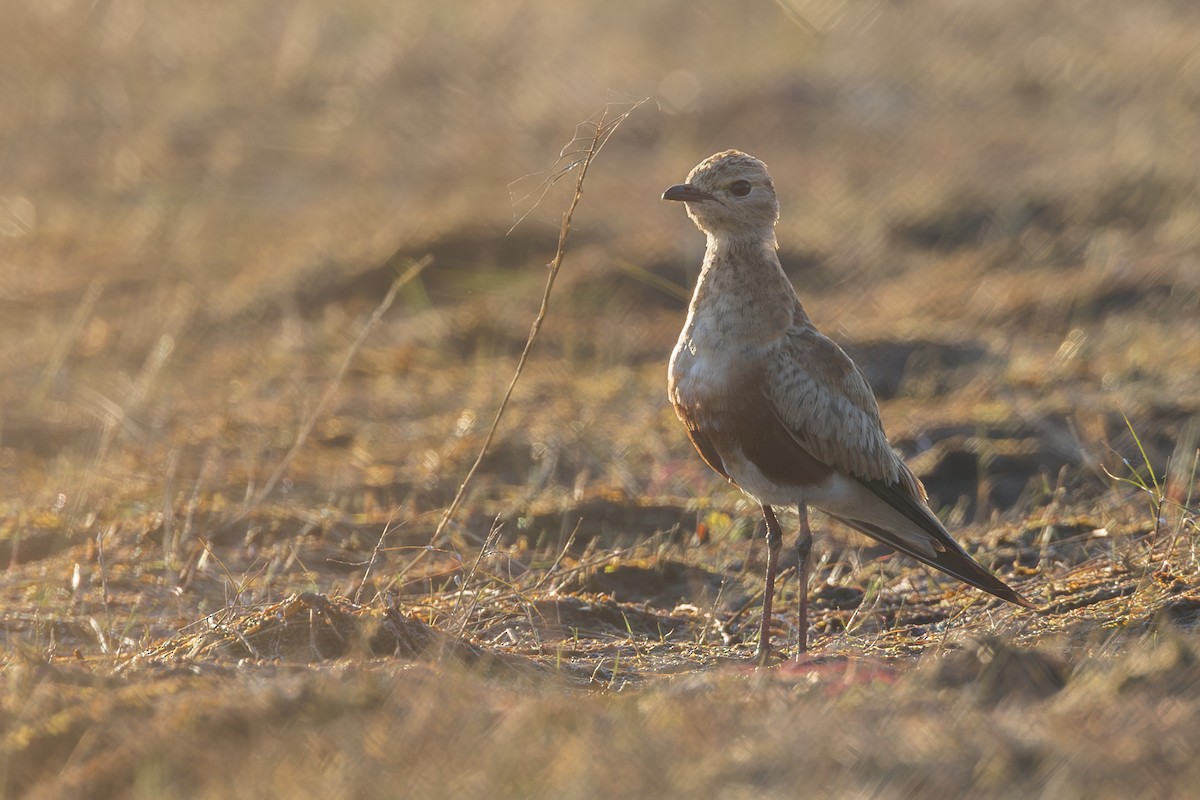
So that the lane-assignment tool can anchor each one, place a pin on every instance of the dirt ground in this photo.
(221, 483)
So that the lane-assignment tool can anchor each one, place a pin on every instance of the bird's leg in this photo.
(803, 550)
(774, 543)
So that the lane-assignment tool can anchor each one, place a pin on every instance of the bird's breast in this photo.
(719, 390)
(704, 369)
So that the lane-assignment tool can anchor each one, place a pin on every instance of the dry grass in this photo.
(217, 505)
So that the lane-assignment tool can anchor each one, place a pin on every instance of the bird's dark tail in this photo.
(949, 557)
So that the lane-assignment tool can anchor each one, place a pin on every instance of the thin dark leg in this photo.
(774, 543)
(803, 550)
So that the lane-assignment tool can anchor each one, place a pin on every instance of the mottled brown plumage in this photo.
(777, 408)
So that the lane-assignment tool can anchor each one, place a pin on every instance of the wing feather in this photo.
(821, 396)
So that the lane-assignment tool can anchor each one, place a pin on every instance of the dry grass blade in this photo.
(573, 156)
(66, 340)
(374, 557)
(306, 428)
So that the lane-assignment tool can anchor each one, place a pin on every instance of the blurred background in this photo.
(991, 204)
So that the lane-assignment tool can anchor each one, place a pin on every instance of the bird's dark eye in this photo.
(739, 188)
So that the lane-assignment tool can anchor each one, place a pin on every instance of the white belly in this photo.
(838, 493)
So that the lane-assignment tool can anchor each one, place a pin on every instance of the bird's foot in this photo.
(764, 656)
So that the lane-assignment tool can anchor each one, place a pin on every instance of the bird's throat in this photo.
(742, 294)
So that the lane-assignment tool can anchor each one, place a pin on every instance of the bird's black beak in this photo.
(686, 192)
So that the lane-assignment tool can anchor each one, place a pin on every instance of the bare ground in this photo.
(993, 207)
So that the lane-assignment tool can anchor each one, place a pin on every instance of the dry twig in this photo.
(578, 154)
(310, 421)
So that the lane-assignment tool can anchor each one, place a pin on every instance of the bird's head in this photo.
(730, 194)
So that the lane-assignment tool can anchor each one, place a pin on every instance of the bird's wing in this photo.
(825, 403)
(821, 396)
(947, 555)
(703, 444)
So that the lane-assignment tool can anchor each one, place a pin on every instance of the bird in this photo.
(776, 407)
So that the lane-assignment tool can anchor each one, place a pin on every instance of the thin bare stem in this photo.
(492, 538)
(309, 422)
(387, 528)
(574, 159)
(67, 339)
